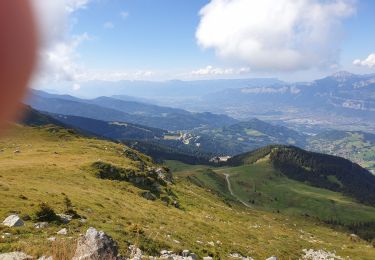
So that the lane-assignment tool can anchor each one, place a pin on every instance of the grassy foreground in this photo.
(46, 165)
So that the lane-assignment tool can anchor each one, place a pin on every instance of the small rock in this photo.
(211, 243)
(63, 231)
(13, 221)
(52, 239)
(272, 258)
(207, 258)
(40, 225)
(185, 253)
(65, 218)
(83, 220)
(135, 253)
(354, 238)
(176, 241)
(17, 151)
(15, 256)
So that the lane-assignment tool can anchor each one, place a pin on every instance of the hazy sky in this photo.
(195, 39)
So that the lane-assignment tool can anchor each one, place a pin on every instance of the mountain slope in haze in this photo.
(56, 166)
(134, 107)
(244, 136)
(319, 170)
(138, 113)
(32, 117)
(165, 91)
(150, 141)
(112, 130)
(342, 100)
(354, 145)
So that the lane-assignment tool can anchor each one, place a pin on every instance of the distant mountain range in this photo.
(112, 109)
(165, 90)
(337, 100)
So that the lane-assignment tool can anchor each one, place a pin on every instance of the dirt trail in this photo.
(232, 193)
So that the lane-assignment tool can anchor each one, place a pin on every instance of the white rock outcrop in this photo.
(312, 254)
(13, 221)
(15, 256)
(95, 245)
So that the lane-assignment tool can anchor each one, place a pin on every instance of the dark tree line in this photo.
(315, 168)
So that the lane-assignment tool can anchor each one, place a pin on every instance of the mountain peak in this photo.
(342, 75)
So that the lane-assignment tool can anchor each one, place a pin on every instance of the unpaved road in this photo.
(234, 195)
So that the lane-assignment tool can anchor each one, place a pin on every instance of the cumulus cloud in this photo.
(212, 71)
(58, 50)
(58, 62)
(273, 35)
(368, 62)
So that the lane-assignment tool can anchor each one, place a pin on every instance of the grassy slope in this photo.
(40, 174)
(272, 191)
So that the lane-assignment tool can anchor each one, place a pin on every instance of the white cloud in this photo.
(273, 35)
(108, 25)
(212, 71)
(368, 62)
(124, 14)
(58, 62)
(57, 59)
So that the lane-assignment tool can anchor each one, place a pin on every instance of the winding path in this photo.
(232, 193)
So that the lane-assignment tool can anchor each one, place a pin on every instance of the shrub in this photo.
(45, 213)
(69, 208)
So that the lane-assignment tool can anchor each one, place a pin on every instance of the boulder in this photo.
(13, 221)
(15, 256)
(95, 245)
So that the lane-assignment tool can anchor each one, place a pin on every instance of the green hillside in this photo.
(354, 145)
(319, 170)
(264, 187)
(50, 165)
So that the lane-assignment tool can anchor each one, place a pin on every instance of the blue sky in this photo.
(171, 39)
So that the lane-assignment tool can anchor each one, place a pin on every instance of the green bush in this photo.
(45, 213)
